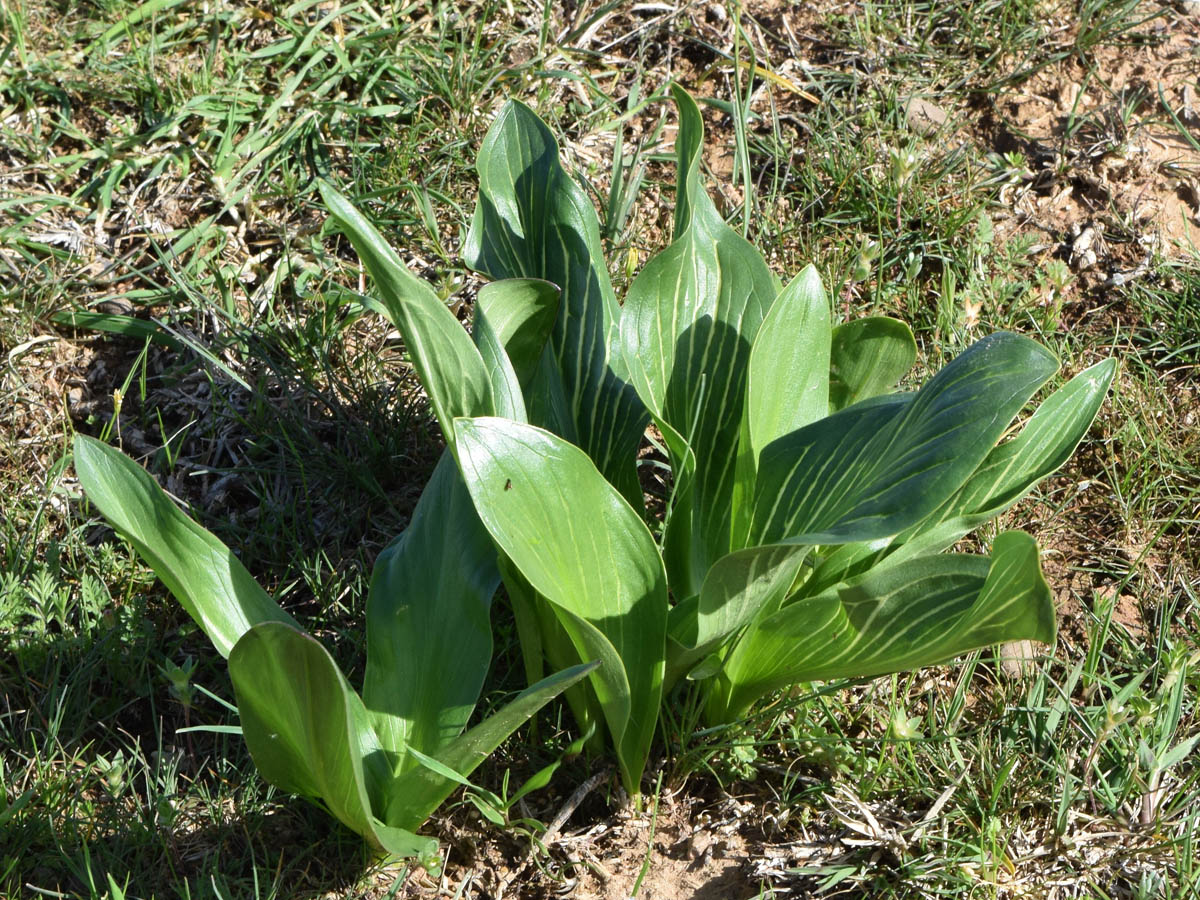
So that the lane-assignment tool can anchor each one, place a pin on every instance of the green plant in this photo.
(809, 507)
(380, 763)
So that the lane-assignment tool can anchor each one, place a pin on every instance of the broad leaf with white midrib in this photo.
(533, 221)
(882, 465)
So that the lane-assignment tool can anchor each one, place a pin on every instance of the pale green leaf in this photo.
(533, 221)
(688, 323)
(447, 362)
(921, 612)
(310, 734)
(878, 467)
(415, 794)
(868, 357)
(429, 639)
(203, 574)
(584, 549)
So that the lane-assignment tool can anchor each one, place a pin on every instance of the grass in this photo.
(157, 171)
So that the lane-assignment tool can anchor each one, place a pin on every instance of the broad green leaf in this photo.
(687, 326)
(544, 640)
(876, 468)
(582, 547)
(868, 357)
(203, 574)
(449, 365)
(788, 379)
(310, 734)
(533, 221)
(429, 639)
(918, 613)
(736, 589)
(507, 397)
(415, 794)
(787, 383)
(522, 311)
(1043, 445)
(1046, 442)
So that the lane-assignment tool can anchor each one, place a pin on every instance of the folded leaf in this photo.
(507, 398)
(880, 466)
(533, 221)
(522, 311)
(310, 734)
(429, 639)
(582, 547)
(787, 382)
(736, 589)
(203, 574)
(687, 326)
(1046, 442)
(918, 613)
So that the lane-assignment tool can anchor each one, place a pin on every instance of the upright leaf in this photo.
(880, 466)
(522, 311)
(918, 613)
(309, 733)
(414, 795)
(450, 367)
(867, 358)
(787, 382)
(533, 221)
(688, 323)
(429, 640)
(202, 573)
(582, 547)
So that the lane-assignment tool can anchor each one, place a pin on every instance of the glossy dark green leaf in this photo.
(450, 367)
(688, 324)
(876, 468)
(429, 640)
(533, 221)
(867, 358)
(310, 734)
(202, 573)
(584, 549)
(918, 613)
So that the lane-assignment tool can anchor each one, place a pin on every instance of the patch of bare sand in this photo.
(1105, 152)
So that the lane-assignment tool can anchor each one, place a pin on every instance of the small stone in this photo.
(924, 117)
